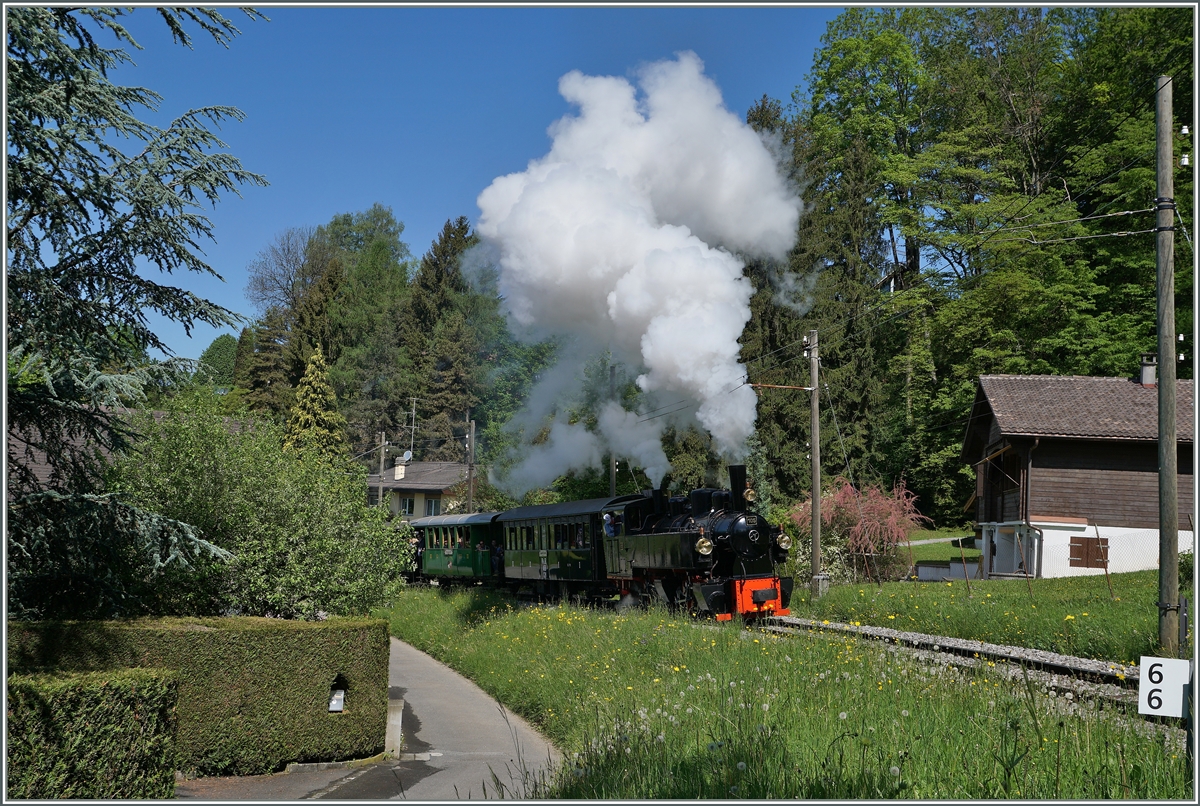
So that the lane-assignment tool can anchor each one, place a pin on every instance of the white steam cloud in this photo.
(624, 236)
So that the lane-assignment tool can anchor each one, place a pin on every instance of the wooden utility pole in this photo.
(820, 582)
(1168, 478)
(382, 446)
(612, 456)
(471, 470)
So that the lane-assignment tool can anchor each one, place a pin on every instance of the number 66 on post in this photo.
(1162, 686)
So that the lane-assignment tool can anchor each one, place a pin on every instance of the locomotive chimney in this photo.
(737, 486)
(660, 501)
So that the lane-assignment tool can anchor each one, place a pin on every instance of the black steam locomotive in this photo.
(707, 552)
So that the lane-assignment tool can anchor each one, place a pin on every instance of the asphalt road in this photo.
(458, 743)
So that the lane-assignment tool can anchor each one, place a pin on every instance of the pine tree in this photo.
(439, 279)
(269, 387)
(315, 423)
(310, 325)
(242, 358)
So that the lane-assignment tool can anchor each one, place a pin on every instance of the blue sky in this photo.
(421, 108)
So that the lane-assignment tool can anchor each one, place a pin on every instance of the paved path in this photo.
(458, 743)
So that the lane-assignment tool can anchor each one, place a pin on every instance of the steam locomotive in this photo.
(707, 552)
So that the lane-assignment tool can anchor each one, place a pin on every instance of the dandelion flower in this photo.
(842, 715)
(741, 765)
(904, 712)
(895, 771)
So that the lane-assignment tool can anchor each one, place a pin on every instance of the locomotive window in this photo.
(558, 535)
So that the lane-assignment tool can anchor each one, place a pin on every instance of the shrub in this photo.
(861, 530)
(297, 522)
(253, 692)
(92, 735)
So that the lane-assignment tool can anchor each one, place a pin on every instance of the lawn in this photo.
(938, 552)
(651, 705)
(1074, 616)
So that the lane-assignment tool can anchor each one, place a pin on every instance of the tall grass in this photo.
(647, 705)
(1073, 616)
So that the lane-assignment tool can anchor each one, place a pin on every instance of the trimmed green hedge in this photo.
(253, 692)
(92, 735)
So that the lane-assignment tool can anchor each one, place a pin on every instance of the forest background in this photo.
(978, 188)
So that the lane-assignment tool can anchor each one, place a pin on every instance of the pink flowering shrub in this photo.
(861, 530)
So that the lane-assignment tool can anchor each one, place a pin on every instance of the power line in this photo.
(1076, 220)
(1036, 242)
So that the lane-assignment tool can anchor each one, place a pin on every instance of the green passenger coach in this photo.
(457, 546)
(558, 548)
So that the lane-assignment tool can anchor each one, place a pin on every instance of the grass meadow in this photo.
(1074, 616)
(647, 704)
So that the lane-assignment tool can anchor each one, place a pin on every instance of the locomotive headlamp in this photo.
(783, 541)
(749, 495)
(704, 546)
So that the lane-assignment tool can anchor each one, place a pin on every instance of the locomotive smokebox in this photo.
(737, 486)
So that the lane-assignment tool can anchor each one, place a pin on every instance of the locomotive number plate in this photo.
(752, 520)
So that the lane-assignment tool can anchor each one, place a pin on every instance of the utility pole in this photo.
(471, 470)
(612, 455)
(382, 446)
(1168, 479)
(820, 582)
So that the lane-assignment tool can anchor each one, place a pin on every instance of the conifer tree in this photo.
(269, 387)
(315, 423)
(242, 358)
(310, 325)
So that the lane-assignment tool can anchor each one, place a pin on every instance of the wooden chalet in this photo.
(1066, 471)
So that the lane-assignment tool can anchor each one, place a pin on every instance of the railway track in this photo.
(1113, 674)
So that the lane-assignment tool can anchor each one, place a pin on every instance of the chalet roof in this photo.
(423, 477)
(1074, 406)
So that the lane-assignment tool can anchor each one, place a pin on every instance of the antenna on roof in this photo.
(407, 455)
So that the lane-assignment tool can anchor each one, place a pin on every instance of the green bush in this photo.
(253, 692)
(303, 538)
(92, 735)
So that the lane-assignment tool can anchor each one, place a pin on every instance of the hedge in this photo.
(92, 735)
(253, 692)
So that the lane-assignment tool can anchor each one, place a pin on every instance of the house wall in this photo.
(1126, 549)
(1112, 484)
